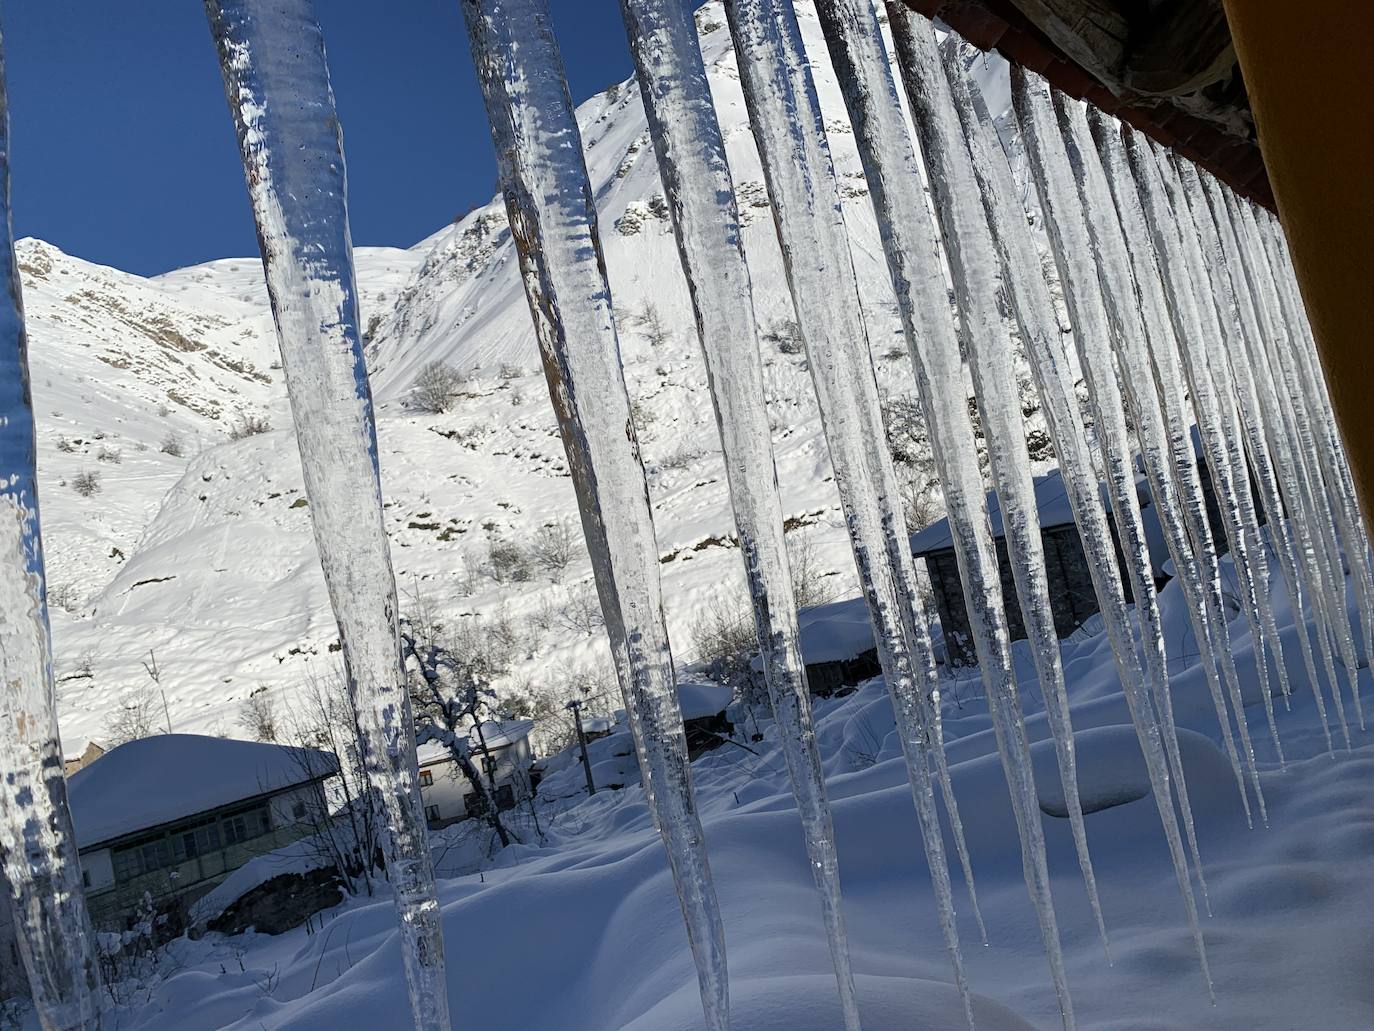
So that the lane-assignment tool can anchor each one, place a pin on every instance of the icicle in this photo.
(1322, 477)
(1302, 488)
(787, 124)
(1319, 402)
(1033, 309)
(1195, 324)
(1163, 358)
(865, 78)
(1311, 395)
(277, 83)
(1322, 414)
(1314, 475)
(36, 837)
(1235, 380)
(1074, 257)
(1128, 336)
(977, 286)
(696, 180)
(553, 222)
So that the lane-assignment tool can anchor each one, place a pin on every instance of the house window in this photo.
(505, 797)
(86, 878)
(143, 857)
(195, 841)
(432, 813)
(246, 825)
(426, 778)
(298, 811)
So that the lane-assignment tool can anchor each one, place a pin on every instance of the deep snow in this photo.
(582, 933)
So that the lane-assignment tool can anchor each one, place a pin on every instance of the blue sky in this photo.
(123, 151)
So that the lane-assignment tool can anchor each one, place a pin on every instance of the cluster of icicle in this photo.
(1184, 313)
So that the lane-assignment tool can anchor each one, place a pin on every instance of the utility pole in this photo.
(576, 706)
(155, 675)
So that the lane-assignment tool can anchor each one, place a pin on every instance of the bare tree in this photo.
(907, 439)
(344, 822)
(726, 642)
(135, 718)
(651, 323)
(553, 548)
(810, 580)
(435, 388)
(258, 715)
(451, 697)
(582, 610)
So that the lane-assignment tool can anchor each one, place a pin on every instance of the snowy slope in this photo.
(208, 559)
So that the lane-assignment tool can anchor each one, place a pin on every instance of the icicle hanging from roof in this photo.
(696, 179)
(36, 837)
(553, 222)
(277, 84)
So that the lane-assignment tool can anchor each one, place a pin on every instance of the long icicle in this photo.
(1195, 324)
(1288, 535)
(553, 222)
(978, 286)
(45, 896)
(277, 83)
(787, 123)
(696, 180)
(1169, 381)
(854, 39)
(1049, 165)
(1296, 470)
(1128, 337)
(1033, 310)
(1318, 399)
(1322, 477)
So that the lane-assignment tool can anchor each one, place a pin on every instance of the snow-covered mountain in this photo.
(167, 535)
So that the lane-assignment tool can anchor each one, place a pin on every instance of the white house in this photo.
(505, 769)
(173, 815)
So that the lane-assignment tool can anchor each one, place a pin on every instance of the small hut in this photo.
(1072, 598)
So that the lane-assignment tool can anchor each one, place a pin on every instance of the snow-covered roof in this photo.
(835, 632)
(702, 700)
(157, 780)
(1051, 502)
(497, 733)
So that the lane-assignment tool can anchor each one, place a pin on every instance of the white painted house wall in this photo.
(444, 788)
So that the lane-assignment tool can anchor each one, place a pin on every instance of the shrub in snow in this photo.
(725, 641)
(435, 388)
(257, 716)
(651, 323)
(582, 611)
(509, 371)
(249, 426)
(508, 562)
(87, 483)
(786, 336)
(109, 454)
(63, 444)
(173, 445)
(553, 548)
(810, 579)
